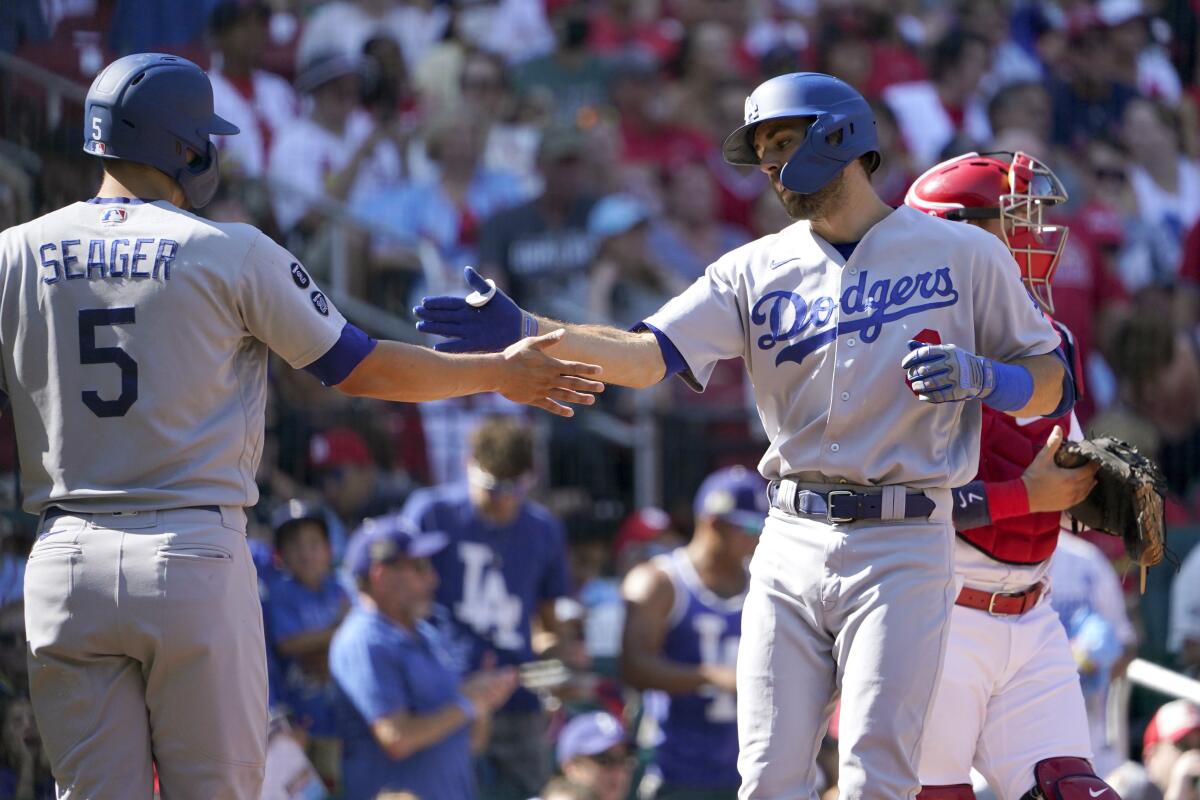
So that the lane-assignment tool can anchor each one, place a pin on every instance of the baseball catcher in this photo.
(1008, 665)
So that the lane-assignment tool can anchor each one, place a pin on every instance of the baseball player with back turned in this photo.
(852, 582)
(134, 338)
(1009, 701)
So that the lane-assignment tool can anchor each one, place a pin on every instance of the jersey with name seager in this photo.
(699, 745)
(134, 339)
(823, 336)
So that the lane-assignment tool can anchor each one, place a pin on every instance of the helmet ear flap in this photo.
(199, 183)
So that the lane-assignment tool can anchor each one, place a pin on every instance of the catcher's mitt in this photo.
(1127, 500)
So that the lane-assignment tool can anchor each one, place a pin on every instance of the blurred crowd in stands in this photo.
(569, 149)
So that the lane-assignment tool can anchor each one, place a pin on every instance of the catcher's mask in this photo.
(1015, 188)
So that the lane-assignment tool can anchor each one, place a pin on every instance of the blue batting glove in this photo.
(485, 321)
(945, 373)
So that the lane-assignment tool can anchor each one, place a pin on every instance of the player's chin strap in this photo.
(1067, 778)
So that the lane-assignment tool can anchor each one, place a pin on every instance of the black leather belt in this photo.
(844, 505)
(54, 512)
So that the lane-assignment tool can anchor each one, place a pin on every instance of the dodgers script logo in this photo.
(787, 314)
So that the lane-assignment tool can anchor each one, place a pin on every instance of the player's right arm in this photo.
(649, 598)
(693, 331)
(279, 304)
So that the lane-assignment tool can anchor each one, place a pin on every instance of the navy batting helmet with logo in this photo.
(835, 108)
(153, 108)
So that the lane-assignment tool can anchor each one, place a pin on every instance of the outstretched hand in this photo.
(530, 376)
(1054, 488)
(485, 321)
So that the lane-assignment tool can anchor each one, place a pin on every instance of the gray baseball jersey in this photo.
(823, 341)
(134, 342)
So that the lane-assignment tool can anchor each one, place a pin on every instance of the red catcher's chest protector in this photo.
(1006, 449)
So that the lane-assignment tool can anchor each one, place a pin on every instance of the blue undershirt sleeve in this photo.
(1068, 386)
(340, 360)
(970, 506)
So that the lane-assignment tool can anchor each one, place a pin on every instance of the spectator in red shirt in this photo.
(260, 103)
(649, 132)
(624, 27)
(932, 114)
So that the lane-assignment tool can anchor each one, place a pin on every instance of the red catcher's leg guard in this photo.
(1067, 778)
(958, 791)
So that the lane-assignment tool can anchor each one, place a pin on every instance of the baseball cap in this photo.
(295, 510)
(1171, 723)
(338, 447)
(616, 214)
(589, 734)
(644, 525)
(733, 494)
(323, 68)
(382, 539)
(1112, 13)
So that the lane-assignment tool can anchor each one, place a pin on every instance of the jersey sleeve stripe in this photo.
(352, 346)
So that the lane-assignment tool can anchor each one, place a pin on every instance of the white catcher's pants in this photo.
(1009, 697)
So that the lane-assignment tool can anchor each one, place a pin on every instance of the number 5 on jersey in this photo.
(89, 353)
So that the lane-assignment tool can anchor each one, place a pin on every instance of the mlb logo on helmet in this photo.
(113, 216)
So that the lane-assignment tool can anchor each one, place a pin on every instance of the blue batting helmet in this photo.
(834, 105)
(152, 108)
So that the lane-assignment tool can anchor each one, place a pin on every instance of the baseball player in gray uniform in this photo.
(851, 584)
(134, 338)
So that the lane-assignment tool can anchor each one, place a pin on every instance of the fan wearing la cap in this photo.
(683, 624)
(593, 755)
(404, 712)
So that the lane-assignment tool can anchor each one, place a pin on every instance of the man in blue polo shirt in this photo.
(504, 567)
(403, 712)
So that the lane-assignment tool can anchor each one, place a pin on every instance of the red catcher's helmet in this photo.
(1015, 188)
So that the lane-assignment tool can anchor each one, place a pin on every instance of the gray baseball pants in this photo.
(861, 610)
(146, 647)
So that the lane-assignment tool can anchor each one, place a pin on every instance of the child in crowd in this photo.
(307, 602)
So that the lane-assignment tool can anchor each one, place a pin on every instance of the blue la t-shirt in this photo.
(295, 609)
(493, 579)
(380, 668)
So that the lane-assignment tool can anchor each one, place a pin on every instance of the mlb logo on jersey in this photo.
(300, 276)
(114, 216)
(320, 303)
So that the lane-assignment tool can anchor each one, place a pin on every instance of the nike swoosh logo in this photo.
(1097, 794)
(775, 264)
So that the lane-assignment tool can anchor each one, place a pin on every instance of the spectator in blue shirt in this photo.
(404, 714)
(305, 604)
(505, 566)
